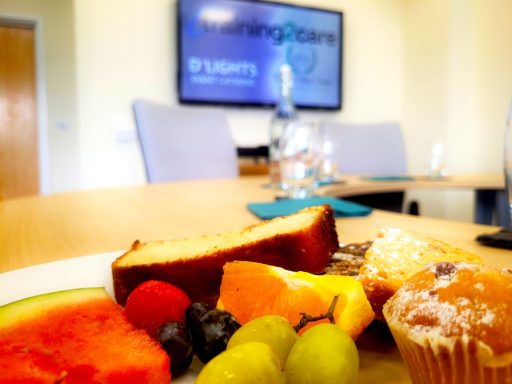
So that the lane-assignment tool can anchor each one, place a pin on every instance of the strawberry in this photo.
(154, 303)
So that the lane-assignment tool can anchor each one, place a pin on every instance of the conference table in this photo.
(56, 228)
(490, 200)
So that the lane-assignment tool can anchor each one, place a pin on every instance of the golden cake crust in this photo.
(195, 264)
(395, 256)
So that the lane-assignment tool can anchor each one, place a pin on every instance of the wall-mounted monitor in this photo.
(230, 52)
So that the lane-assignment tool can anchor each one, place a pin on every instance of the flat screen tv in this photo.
(230, 52)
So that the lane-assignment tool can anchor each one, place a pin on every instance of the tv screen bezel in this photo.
(229, 103)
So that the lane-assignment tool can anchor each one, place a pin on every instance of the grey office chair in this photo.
(184, 143)
(371, 149)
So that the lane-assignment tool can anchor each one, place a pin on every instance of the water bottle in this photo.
(508, 159)
(284, 115)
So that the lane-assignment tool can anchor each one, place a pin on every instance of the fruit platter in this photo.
(94, 271)
(283, 302)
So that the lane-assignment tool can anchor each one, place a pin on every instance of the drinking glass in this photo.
(300, 158)
(436, 168)
(507, 163)
(328, 168)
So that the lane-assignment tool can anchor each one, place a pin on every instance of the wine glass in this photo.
(436, 168)
(507, 157)
(328, 168)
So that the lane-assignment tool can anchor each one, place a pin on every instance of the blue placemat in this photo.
(388, 178)
(321, 183)
(283, 207)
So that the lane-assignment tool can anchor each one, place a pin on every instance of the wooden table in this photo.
(490, 199)
(44, 228)
(351, 185)
(40, 229)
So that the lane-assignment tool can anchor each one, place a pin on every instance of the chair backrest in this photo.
(181, 143)
(376, 149)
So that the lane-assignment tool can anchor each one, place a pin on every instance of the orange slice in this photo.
(251, 290)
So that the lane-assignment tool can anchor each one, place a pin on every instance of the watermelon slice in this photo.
(76, 336)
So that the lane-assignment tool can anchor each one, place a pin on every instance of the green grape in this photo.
(272, 330)
(323, 354)
(248, 363)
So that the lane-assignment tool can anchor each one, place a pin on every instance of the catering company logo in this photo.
(223, 67)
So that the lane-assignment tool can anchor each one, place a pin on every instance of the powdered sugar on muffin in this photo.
(455, 319)
(453, 299)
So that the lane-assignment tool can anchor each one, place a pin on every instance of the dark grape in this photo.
(194, 312)
(212, 333)
(176, 340)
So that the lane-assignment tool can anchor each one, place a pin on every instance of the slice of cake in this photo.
(304, 241)
(395, 256)
(76, 336)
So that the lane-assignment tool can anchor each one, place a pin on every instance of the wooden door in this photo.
(19, 150)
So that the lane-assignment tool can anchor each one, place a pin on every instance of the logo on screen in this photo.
(193, 28)
(303, 59)
(222, 67)
(276, 33)
(195, 64)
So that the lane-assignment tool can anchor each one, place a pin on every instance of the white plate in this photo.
(78, 272)
(383, 365)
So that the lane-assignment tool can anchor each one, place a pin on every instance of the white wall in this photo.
(457, 77)
(126, 49)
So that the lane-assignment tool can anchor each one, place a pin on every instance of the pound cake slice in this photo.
(76, 336)
(395, 256)
(304, 241)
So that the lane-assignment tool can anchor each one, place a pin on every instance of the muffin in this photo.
(452, 323)
(396, 255)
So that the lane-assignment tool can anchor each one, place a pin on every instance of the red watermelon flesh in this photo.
(76, 336)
